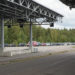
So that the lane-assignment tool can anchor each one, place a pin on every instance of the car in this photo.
(22, 44)
(38, 44)
(12, 45)
(43, 44)
(6, 45)
(34, 43)
(47, 44)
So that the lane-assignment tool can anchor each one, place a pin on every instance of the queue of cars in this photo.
(14, 45)
(35, 43)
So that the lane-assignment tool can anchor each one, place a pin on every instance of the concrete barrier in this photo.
(10, 51)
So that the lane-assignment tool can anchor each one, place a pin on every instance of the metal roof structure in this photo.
(22, 11)
(26, 9)
(70, 3)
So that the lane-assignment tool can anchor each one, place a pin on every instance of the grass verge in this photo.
(73, 47)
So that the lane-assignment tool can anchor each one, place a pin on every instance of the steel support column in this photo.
(2, 33)
(31, 46)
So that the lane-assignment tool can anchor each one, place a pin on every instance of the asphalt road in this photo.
(61, 64)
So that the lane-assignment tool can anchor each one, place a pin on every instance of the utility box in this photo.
(35, 50)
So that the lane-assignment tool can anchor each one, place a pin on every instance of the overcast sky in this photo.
(69, 15)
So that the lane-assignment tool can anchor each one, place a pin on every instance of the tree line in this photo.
(16, 35)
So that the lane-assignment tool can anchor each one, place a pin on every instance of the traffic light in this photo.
(70, 8)
(9, 26)
(21, 22)
(51, 24)
(21, 25)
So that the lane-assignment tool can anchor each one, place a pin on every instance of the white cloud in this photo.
(56, 5)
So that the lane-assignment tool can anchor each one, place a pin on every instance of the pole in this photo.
(31, 46)
(2, 32)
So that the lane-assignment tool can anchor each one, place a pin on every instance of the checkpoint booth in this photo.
(24, 10)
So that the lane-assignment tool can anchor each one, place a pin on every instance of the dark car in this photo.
(22, 44)
(38, 44)
(12, 45)
(6, 45)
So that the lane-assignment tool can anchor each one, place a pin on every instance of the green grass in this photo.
(58, 52)
(73, 47)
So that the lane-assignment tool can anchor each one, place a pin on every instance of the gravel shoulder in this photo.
(42, 51)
